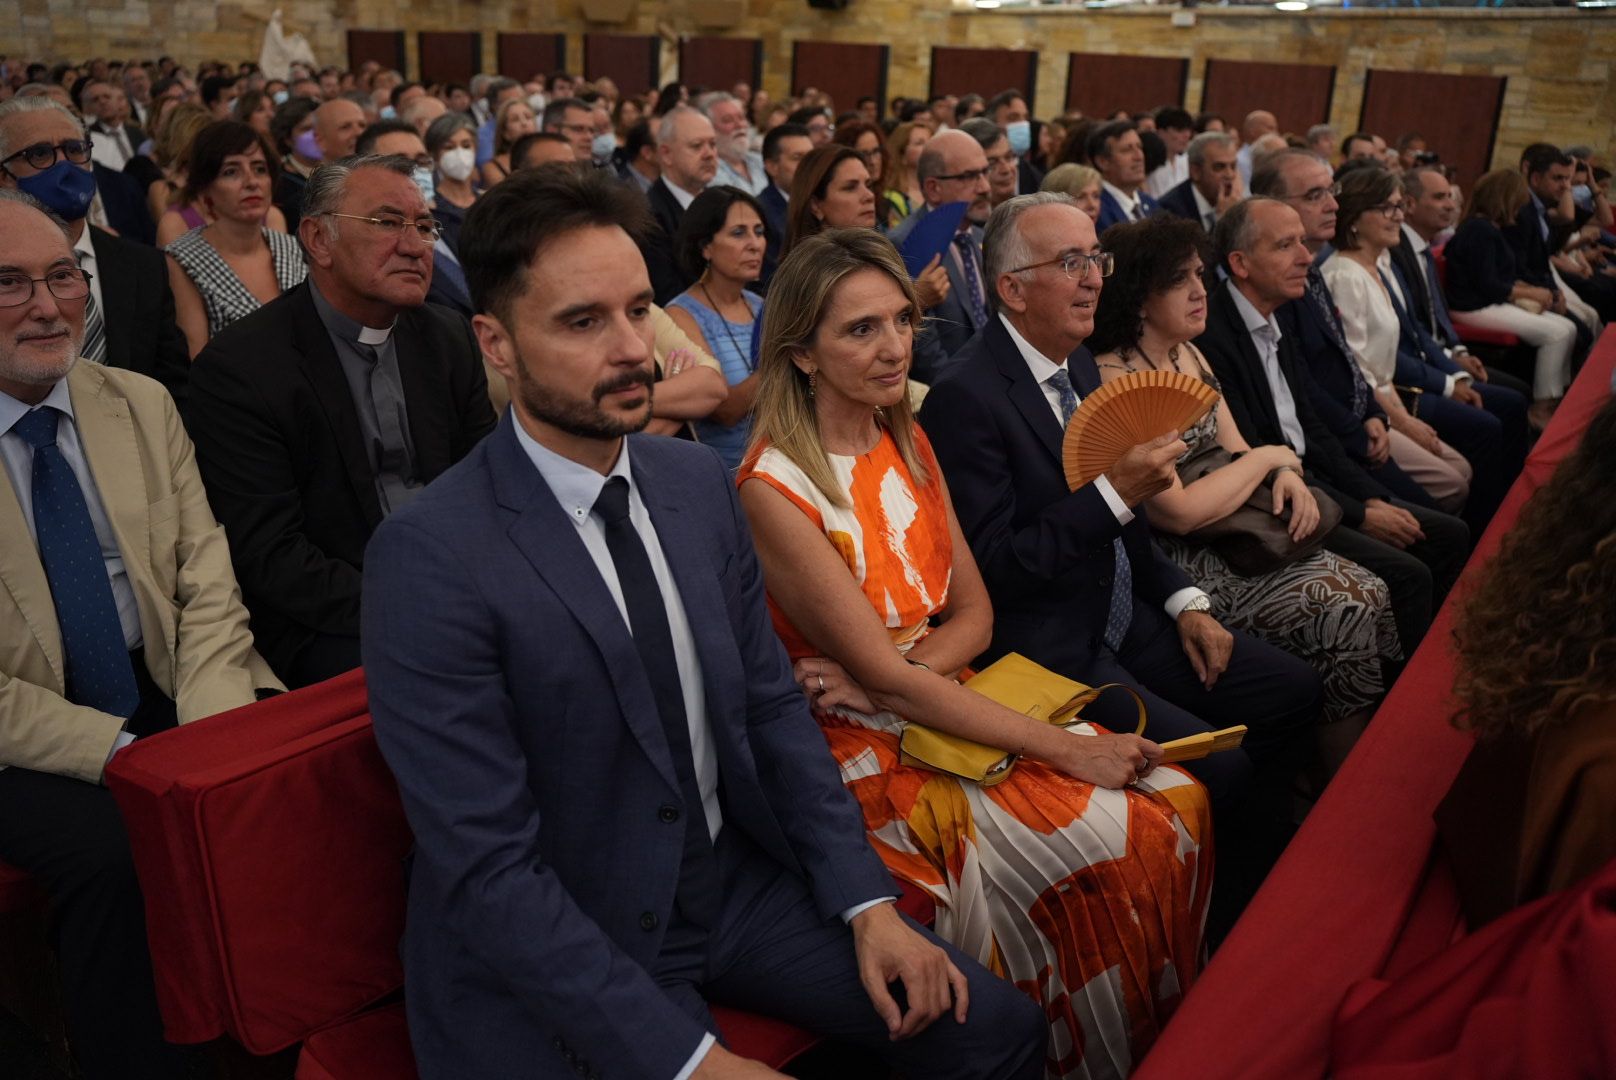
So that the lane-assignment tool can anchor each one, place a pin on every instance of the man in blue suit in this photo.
(784, 147)
(1116, 151)
(1077, 583)
(622, 806)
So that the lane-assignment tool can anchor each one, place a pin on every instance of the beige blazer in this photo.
(196, 642)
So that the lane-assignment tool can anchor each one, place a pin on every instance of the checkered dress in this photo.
(223, 294)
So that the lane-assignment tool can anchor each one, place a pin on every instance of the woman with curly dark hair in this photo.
(1533, 810)
(1321, 607)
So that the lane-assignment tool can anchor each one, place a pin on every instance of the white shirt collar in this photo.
(1201, 205)
(1042, 367)
(1126, 201)
(84, 249)
(1251, 316)
(12, 410)
(575, 486)
(685, 198)
(1415, 240)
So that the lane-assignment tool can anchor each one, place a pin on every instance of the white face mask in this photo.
(457, 164)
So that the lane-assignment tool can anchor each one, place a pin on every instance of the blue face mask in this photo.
(389, 113)
(424, 180)
(66, 189)
(603, 146)
(279, 97)
(1019, 133)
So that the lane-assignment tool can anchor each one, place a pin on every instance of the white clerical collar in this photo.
(372, 335)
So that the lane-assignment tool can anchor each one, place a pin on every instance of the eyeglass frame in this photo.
(1389, 209)
(968, 177)
(436, 227)
(1313, 195)
(1104, 260)
(34, 283)
(58, 153)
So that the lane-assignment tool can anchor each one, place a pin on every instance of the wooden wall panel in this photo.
(1099, 83)
(1457, 114)
(524, 55)
(632, 61)
(1297, 94)
(386, 47)
(984, 71)
(450, 56)
(718, 63)
(844, 71)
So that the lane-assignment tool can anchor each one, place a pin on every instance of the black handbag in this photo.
(1252, 539)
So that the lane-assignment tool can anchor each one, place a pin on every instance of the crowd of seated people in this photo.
(306, 373)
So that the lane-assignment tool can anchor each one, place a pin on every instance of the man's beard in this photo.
(584, 419)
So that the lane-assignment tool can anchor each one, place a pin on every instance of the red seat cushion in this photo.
(1474, 335)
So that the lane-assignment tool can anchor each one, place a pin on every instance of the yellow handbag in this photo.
(1016, 683)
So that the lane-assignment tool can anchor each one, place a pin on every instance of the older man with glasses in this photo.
(331, 407)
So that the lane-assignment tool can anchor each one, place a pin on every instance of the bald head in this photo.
(337, 126)
(1257, 124)
(421, 112)
(953, 167)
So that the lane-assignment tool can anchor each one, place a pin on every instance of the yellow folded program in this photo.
(1016, 683)
(1195, 747)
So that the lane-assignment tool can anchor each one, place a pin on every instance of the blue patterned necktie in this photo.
(99, 674)
(1120, 613)
(1318, 294)
(973, 279)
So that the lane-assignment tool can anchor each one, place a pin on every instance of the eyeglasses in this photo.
(1313, 195)
(1075, 265)
(42, 156)
(968, 177)
(64, 283)
(427, 230)
(1391, 211)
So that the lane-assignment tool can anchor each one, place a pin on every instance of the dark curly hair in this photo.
(1536, 639)
(704, 219)
(1363, 188)
(1149, 255)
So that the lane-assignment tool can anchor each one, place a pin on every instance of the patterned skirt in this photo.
(1324, 609)
(1091, 901)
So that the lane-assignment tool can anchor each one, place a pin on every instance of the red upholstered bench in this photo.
(1469, 333)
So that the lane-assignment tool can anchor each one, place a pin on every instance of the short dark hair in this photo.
(704, 218)
(1001, 99)
(1356, 136)
(399, 90)
(1202, 120)
(1362, 189)
(1155, 150)
(520, 147)
(771, 141)
(366, 144)
(513, 222)
(805, 114)
(1149, 256)
(555, 113)
(288, 114)
(1104, 134)
(218, 141)
(213, 87)
(1540, 157)
(1171, 116)
(636, 139)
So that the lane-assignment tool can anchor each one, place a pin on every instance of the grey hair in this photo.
(667, 129)
(706, 102)
(1004, 245)
(330, 182)
(443, 128)
(983, 130)
(1319, 131)
(1268, 175)
(18, 105)
(1237, 227)
(13, 195)
(1413, 186)
(1198, 145)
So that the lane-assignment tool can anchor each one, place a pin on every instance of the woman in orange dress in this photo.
(1083, 876)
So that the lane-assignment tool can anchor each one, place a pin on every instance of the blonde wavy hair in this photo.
(783, 414)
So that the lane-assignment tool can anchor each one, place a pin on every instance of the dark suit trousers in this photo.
(1419, 576)
(324, 656)
(1492, 439)
(772, 954)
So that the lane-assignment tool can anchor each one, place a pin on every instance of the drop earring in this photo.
(813, 382)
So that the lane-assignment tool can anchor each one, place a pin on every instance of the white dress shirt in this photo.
(684, 197)
(1168, 176)
(1043, 369)
(85, 252)
(109, 146)
(18, 457)
(1265, 334)
(1208, 213)
(1132, 208)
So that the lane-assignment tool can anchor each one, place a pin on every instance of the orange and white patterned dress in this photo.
(1092, 901)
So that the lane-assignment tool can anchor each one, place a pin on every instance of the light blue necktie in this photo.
(99, 674)
(1121, 611)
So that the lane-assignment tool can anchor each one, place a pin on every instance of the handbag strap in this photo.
(1069, 712)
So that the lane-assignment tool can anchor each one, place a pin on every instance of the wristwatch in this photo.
(1202, 603)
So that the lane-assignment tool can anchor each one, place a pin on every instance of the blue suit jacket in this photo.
(1179, 201)
(512, 706)
(1421, 361)
(1111, 210)
(1044, 550)
(774, 216)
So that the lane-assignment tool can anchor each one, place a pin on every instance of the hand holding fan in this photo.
(1127, 411)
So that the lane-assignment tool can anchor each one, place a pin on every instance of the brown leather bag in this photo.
(1253, 540)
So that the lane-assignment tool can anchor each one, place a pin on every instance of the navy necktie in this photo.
(1318, 294)
(698, 894)
(1120, 612)
(973, 279)
(99, 674)
(1439, 303)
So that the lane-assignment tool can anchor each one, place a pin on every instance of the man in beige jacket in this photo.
(119, 617)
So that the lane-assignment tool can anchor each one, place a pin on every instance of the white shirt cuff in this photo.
(1176, 603)
(859, 909)
(1455, 379)
(707, 1042)
(1113, 500)
(123, 740)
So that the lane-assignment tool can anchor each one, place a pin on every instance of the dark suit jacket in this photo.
(1028, 177)
(278, 440)
(125, 203)
(1180, 200)
(1421, 361)
(1531, 250)
(511, 704)
(289, 197)
(774, 216)
(1330, 369)
(950, 324)
(138, 307)
(667, 280)
(1045, 551)
(1111, 210)
(1238, 366)
(1419, 291)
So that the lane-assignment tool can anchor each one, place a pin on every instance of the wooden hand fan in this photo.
(1195, 747)
(1122, 413)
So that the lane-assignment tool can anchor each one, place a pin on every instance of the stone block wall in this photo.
(1561, 63)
